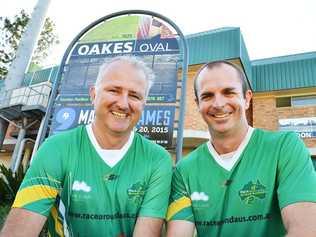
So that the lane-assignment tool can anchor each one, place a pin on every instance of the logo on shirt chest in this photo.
(199, 196)
(252, 191)
(136, 192)
(81, 186)
(81, 191)
(110, 177)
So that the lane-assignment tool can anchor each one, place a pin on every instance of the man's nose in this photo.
(218, 101)
(122, 101)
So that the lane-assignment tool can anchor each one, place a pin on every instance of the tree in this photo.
(10, 36)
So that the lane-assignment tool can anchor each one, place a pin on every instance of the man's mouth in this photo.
(221, 115)
(119, 115)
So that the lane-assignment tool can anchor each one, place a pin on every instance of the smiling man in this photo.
(101, 179)
(244, 181)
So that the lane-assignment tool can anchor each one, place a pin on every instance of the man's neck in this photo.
(107, 140)
(229, 142)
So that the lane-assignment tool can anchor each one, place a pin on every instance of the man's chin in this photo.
(219, 129)
(121, 130)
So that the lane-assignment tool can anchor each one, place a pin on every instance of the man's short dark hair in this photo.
(211, 65)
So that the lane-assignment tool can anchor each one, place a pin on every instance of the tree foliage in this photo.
(10, 36)
(9, 186)
(10, 183)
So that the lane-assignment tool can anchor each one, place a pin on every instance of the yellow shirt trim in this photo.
(58, 226)
(178, 205)
(33, 194)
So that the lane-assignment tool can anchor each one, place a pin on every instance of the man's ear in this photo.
(248, 97)
(92, 92)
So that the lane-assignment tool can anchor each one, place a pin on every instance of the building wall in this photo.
(266, 114)
(7, 149)
(5, 158)
(193, 119)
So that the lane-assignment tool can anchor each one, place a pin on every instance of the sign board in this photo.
(146, 35)
(304, 127)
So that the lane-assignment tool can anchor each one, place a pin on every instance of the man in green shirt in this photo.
(244, 181)
(101, 179)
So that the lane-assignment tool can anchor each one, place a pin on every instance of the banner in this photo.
(304, 127)
(155, 123)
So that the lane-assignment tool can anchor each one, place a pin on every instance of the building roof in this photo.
(224, 43)
(277, 73)
(285, 72)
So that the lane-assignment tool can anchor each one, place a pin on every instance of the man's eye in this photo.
(112, 90)
(205, 97)
(134, 96)
(230, 93)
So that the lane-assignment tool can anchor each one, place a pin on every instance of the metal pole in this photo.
(20, 152)
(27, 45)
(38, 138)
(21, 136)
(3, 130)
(182, 104)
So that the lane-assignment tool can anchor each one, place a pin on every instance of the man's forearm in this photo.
(21, 222)
(180, 228)
(147, 226)
(299, 219)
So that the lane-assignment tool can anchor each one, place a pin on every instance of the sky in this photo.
(270, 27)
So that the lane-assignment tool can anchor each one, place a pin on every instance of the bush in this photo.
(4, 210)
(9, 184)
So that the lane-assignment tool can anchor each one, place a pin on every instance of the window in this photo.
(296, 101)
(304, 101)
(283, 102)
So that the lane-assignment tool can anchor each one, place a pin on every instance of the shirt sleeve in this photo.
(296, 174)
(42, 182)
(155, 202)
(180, 204)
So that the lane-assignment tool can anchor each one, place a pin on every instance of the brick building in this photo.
(284, 88)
